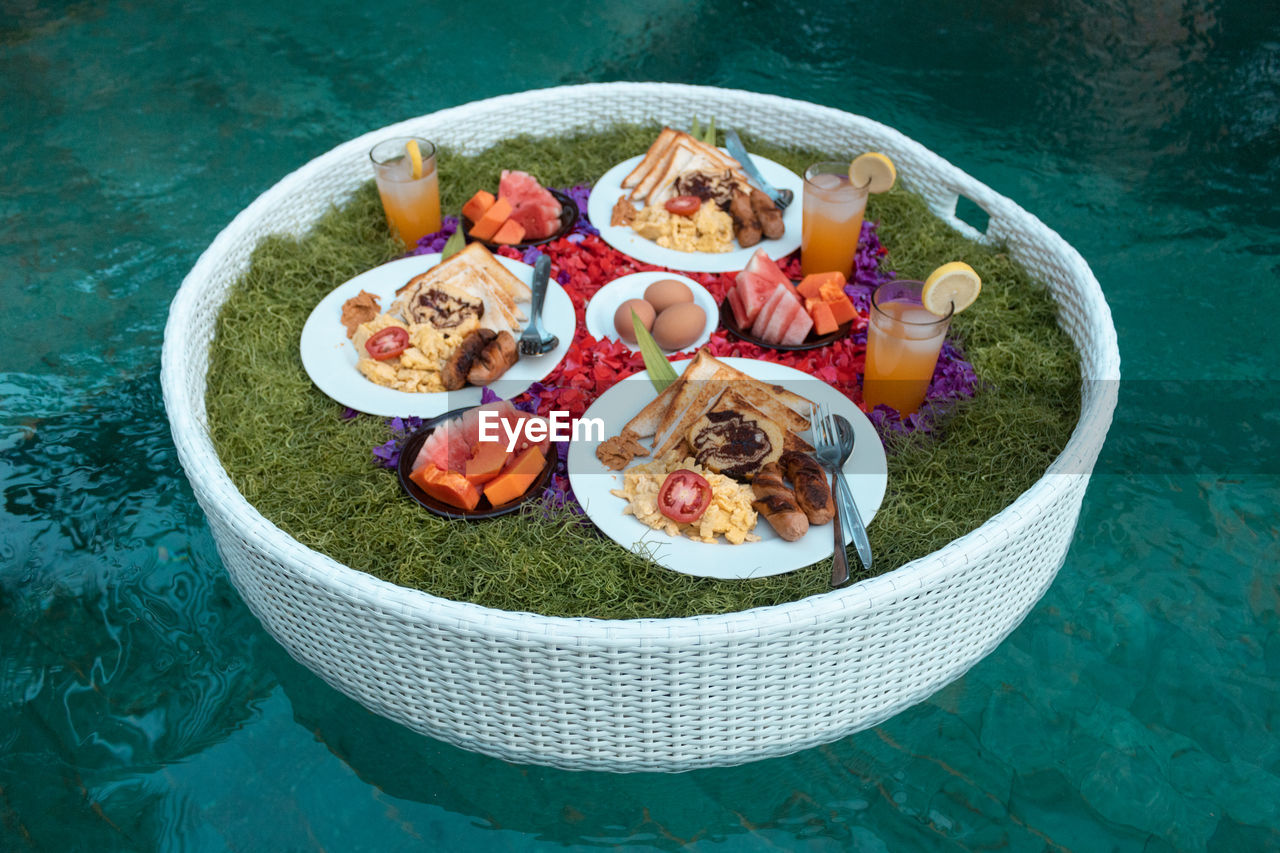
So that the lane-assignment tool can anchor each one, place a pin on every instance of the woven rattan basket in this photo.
(667, 694)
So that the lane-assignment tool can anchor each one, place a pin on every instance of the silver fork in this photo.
(536, 340)
(827, 449)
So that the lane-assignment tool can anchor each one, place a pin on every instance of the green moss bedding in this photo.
(309, 471)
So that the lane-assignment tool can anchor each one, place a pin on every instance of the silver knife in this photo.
(781, 198)
(859, 530)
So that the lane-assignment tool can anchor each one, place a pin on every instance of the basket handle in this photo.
(948, 200)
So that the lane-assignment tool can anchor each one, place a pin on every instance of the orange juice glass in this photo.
(903, 342)
(833, 209)
(412, 204)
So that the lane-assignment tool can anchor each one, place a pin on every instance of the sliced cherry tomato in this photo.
(387, 343)
(684, 496)
(684, 205)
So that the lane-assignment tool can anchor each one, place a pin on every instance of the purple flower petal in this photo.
(387, 455)
(434, 242)
(581, 194)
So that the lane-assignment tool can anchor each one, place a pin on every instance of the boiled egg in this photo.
(679, 325)
(622, 322)
(667, 292)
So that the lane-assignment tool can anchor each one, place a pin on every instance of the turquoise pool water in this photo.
(1137, 707)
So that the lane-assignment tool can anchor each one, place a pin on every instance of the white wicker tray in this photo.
(659, 694)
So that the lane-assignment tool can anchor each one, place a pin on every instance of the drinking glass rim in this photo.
(920, 286)
(838, 167)
(425, 146)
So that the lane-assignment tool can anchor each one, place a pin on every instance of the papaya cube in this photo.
(488, 225)
(478, 205)
(517, 478)
(841, 309)
(487, 463)
(832, 290)
(824, 322)
(813, 286)
(447, 486)
(510, 232)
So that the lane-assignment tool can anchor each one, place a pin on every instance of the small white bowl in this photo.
(601, 307)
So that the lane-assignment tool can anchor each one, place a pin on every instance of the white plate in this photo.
(608, 190)
(866, 471)
(330, 358)
(602, 306)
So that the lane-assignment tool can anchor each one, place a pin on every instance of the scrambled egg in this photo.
(729, 514)
(708, 230)
(417, 369)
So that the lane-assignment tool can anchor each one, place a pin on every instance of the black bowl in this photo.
(812, 342)
(568, 219)
(483, 509)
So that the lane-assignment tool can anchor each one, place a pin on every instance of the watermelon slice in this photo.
(447, 448)
(452, 443)
(798, 329)
(766, 313)
(784, 314)
(765, 267)
(754, 290)
(532, 206)
(739, 310)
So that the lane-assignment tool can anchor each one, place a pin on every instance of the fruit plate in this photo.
(409, 453)
(866, 470)
(330, 358)
(600, 309)
(608, 190)
(812, 342)
(568, 219)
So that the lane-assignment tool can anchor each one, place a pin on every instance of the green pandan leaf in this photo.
(710, 137)
(661, 373)
(453, 245)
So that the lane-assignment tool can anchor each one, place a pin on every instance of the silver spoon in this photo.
(536, 340)
(844, 435)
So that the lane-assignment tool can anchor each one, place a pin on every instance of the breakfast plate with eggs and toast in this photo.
(638, 207)
(742, 428)
(420, 337)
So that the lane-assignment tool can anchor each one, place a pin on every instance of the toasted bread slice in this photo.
(697, 398)
(664, 189)
(443, 304)
(646, 422)
(652, 158)
(715, 155)
(486, 278)
(641, 190)
(682, 152)
(700, 387)
(731, 400)
(476, 272)
(499, 309)
(694, 400)
(735, 440)
(786, 407)
(505, 278)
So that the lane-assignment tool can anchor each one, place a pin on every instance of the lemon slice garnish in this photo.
(415, 157)
(875, 168)
(950, 288)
